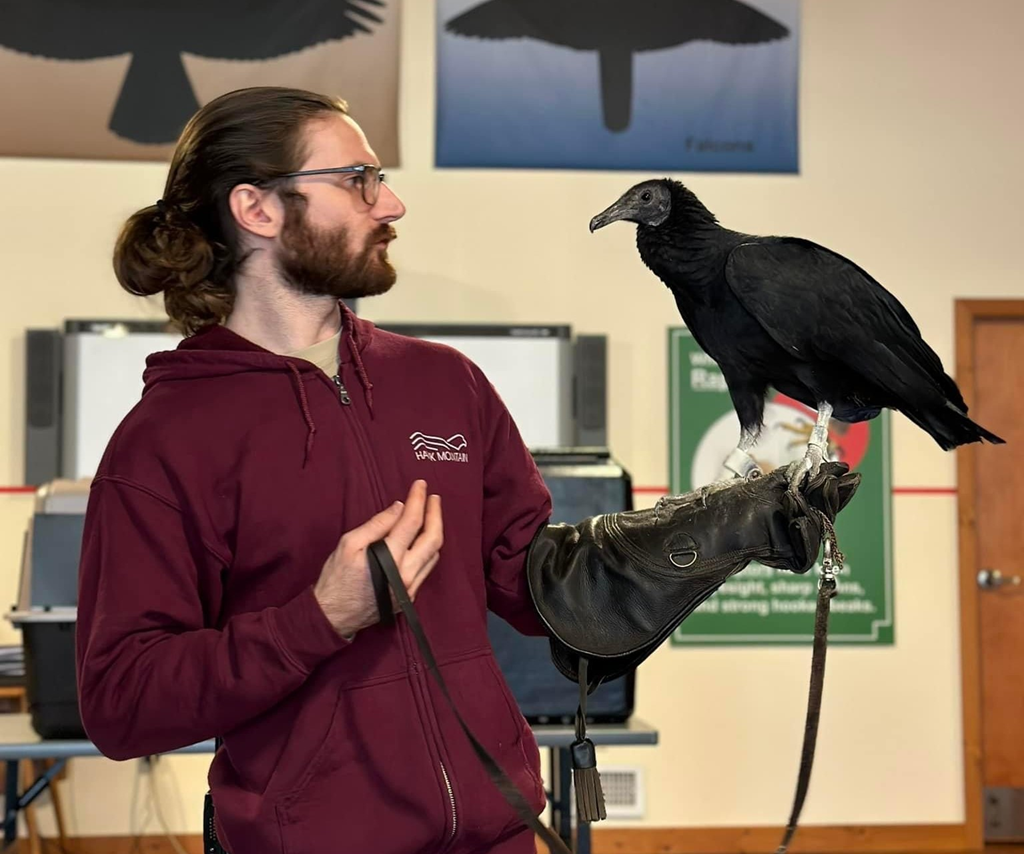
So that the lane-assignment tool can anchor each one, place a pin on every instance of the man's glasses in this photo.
(368, 176)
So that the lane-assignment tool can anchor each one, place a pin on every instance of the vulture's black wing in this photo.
(822, 307)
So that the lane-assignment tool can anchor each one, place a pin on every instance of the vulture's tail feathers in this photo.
(950, 427)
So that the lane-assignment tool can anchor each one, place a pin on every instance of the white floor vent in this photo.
(623, 791)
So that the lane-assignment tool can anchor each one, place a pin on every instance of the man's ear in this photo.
(256, 210)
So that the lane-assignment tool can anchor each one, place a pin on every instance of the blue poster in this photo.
(672, 85)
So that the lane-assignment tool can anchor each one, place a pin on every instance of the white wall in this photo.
(910, 137)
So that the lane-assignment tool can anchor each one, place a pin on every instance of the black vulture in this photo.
(617, 29)
(156, 98)
(784, 312)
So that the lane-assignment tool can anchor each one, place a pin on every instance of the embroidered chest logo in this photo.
(438, 450)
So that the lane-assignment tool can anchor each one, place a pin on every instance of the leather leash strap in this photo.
(831, 564)
(383, 565)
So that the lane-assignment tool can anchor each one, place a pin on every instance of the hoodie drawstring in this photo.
(305, 411)
(361, 372)
(350, 334)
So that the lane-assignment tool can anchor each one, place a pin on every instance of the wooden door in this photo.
(990, 344)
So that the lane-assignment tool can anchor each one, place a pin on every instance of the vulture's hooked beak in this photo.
(620, 210)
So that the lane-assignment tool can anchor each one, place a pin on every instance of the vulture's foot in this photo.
(810, 465)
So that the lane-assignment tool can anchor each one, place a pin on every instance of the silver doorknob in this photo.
(989, 578)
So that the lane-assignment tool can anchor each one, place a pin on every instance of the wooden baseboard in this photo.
(765, 840)
(193, 844)
(881, 839)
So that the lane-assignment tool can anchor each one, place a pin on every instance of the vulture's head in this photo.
(647, 203)
(651, 203)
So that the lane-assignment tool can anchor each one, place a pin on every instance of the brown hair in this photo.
(187, 244)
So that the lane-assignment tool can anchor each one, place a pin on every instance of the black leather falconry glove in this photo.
(612, 588)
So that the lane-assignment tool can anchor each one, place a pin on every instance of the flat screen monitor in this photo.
(103, 365)
(531, 367)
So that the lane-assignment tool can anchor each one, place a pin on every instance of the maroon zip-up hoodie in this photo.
(213, 510)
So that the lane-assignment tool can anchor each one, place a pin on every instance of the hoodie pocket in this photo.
(372, 785)
(528, 749)
(486, 705)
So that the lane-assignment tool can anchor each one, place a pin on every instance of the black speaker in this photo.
(590, 390)
(583, 483)
(43, 371)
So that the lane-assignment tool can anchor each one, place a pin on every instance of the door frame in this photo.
(968, 313)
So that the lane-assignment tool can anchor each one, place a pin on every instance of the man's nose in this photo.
(389, 207)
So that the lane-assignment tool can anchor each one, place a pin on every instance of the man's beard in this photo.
(320, 263)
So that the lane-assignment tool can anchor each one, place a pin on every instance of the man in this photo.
(224, 584)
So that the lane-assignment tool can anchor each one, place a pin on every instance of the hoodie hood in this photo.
(218, 351)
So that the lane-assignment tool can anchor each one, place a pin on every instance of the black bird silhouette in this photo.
(788, 313)
(156, 98)
(617, 29)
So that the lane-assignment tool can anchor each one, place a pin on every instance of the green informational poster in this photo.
(762, 605)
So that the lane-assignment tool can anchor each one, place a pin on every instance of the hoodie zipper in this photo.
(342, 391)
(347, 401)
(451, 800)
(447, 782)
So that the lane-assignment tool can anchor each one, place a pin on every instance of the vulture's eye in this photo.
(645, 196)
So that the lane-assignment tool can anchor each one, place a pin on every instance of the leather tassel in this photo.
(586, 778)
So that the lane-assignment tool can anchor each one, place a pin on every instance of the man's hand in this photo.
(614, 586)
(784, 525)
(414, 535)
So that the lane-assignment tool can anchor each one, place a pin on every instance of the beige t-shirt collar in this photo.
(323, 354)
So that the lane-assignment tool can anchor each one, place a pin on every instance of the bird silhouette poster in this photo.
(118, 79)
(762, 605)
(695, 85)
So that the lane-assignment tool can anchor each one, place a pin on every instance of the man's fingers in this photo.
(424, 571)
(433, 525)
(424, 554)
(377, 526)
(430, 539)
(412, 585)
(413, 536)
(406, 528)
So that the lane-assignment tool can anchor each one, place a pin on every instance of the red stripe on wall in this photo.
(654, 490)
(897, 490)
